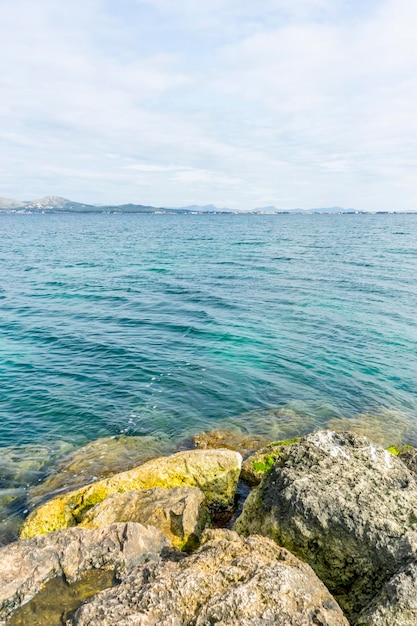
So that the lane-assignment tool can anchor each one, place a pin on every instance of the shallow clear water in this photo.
(168, 325)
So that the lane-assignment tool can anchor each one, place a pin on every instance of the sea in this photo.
(162, 326)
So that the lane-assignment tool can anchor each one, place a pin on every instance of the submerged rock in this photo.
(98, 459)
(386, 426)
(180, 513)
(255, 466)
(229, 581)
(215, 472)
(231, 439)
(57, 600)
(344, 505)
(27, 464)
(27, 565)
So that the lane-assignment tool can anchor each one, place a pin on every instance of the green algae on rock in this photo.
(399, 450)
(255, 466)
(215, 472)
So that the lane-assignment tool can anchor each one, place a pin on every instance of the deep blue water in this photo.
(144, 324)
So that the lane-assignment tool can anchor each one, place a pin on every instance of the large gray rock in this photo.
(229, 581)
(27, 565)
(180, 512)
(344, 505)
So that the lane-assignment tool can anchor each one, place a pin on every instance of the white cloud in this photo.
(306, 103)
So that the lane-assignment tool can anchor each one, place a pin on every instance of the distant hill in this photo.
(57, 204)
(48, 203)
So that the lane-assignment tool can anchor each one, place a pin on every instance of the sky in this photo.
(291, 103)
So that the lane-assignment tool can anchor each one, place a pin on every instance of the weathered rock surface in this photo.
(396, 604)
(180, 513)
(98, 459)
(27, 565)
(344, 505)
(231, 439)
(229, 581)
(255, 466)
(215, 472)
(408, 456)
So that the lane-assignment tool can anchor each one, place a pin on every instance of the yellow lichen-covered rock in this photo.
(215, 472)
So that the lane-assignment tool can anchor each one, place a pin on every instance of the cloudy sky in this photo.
(296, 103)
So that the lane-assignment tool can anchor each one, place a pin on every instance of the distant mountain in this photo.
(8, 203)
(44, 204)
(57, 204)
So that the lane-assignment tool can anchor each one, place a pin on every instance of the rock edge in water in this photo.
(343, 505)
(214, 472)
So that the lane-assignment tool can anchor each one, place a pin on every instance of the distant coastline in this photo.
(57, 205)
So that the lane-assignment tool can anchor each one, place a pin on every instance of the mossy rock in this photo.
(399, 450)
(215, 472)
(255, 466)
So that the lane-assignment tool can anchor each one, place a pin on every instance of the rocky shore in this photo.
(326, 537)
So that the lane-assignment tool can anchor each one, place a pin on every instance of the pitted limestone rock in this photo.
(229, 581)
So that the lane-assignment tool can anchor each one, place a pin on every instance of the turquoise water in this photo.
(167, 325)
(135, 324)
